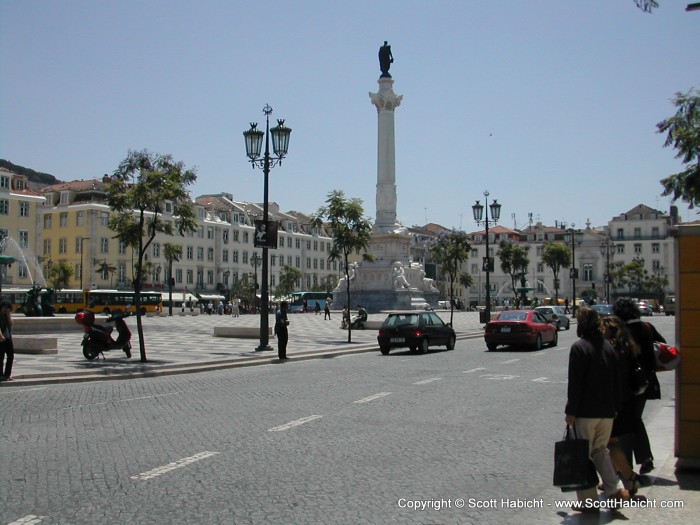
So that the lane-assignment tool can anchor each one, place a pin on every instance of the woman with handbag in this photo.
(633, 381)
(627, 310)
(592, 402)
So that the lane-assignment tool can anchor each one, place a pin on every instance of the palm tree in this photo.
(450, 252)
(556, 256)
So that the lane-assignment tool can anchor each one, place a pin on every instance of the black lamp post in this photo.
(255, 261)
(487, 265)
(606, 249)
(573, 238)
(253, 145)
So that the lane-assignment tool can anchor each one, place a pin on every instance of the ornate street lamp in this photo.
(263, 235)
(573, 238)
(487, 265)
(606, 249)
(255, 261)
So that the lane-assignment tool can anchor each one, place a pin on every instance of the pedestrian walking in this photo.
(627, 310)
(281, 330)
(566, 305)
(236, 307)
(592, 402)
(317, 308)
(7, 349)
(327, 311)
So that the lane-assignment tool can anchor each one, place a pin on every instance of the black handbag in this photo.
(640, 378)
(573, 468)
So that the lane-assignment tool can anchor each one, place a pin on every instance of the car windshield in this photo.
(401, 320)
(512, 316)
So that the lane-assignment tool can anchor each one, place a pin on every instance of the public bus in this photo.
(15, 296)
(311, 298)
(68, 301)
(108, 301)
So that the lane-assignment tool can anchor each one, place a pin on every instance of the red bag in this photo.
(667, 357)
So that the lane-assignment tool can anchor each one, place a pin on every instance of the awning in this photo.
(205, 297)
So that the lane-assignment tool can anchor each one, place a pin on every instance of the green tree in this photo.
(514, 261)
(105, 269)
(350, 231)
(683, 133)
(60, 274)
(172, 253)
(647, 5)
(289, 276)
(450, 251)
(140, 186)
(556, 256)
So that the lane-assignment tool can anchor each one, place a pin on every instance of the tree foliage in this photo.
(556, 256)
(514, 261)
(450, 251)
(139, 189)
(683, 134)
(647, 5)
(289, 276)
(60, 275)
(349, 229)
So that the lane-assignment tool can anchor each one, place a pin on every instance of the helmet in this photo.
(85, 318)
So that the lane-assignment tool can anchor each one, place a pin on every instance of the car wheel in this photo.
(558, 325)
(491, 348)
(555, 341)
(568, 324)
(384, 350)
(413, 348)
(538, 342)
(424, 345)
(451, 343)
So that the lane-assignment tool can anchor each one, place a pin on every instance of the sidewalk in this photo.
(185, 344)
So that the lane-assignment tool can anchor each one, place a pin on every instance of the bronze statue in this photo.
(385, 60)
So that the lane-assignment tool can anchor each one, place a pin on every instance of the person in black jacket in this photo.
(627, 310)
(593, 399)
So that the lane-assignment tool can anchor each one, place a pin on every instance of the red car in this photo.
(520, 328)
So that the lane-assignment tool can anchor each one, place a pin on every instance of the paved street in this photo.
(360, 438)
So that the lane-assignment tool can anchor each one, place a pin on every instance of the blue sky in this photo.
(550, 105)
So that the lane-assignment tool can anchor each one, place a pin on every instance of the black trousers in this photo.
(7, 348)
(282, 338)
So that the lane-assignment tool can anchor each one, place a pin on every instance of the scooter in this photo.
(98, 339)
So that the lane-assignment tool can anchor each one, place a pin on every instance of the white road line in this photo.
(114, 401)
(172, 466)
(547, 380)
(372, 398)
(293, 424)
(29, 519)
(510, 361)
(473, 370)
(426, 381)
(498, 377)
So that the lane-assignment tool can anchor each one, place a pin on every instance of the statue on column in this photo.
(385, 60)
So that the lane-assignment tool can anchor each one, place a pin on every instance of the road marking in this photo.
(293, 424)
(473, 370)
(114, 401)
(29, 519)
(172, 466)
(498, 377)
(510, 361)
(547, 380)
(372, 398)
(426, 381)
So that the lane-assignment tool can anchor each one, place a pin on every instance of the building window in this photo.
(104, 219)
(224, 256)
(63, 220)
(24, 209)
(298, 244)
(245, 257)
(190, 252)
(210, 233)
(540, 267)
(200, 232)
(655, 232)
(637, 233)
(63, 246)
(122, 248)
(620, 248)
(5, 182)
(47, 247)
(297, 261)
(620, 234)
(200, 279)
(655, 248)
(80, 218)
(178, 275)
(190, 277)
(224, 236)
(587, 272)
(104, 245)
(638, 248)
(235, 256)
(121, 273)
(22, 271)
(156, 250)
(23, 239)
(245, 237)
(210, 277)
(47, 221)
(210, 254)
(4, 207)
(656, 265)
(200, 253)
(273, 260)
(235, 236)
(308, 263)
(64, 198)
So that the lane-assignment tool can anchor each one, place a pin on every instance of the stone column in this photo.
(386, 101)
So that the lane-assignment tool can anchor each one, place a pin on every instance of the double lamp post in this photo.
(573, 238)
(488, 262)
(265, 231)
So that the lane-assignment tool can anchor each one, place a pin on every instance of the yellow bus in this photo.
(108, 301)
(68, 301)
(16, 297)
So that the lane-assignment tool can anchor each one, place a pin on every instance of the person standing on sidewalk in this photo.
(592, 403)
(281, 330)
(327, 310)
(6, 345)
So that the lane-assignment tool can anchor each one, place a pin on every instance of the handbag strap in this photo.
(568, 433)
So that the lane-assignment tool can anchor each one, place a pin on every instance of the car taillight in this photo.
(381, 332)
(419, 333)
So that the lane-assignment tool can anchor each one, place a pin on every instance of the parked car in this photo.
(416, 331)
(520, 328)
(645, 308)
(603, 309)
(555, 315)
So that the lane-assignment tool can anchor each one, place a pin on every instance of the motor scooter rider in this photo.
(358, 321)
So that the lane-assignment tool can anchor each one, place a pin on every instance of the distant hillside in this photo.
(34, 176)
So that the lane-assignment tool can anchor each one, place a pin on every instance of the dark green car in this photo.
(416, 331)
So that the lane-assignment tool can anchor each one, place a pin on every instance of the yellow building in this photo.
(19, 212)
